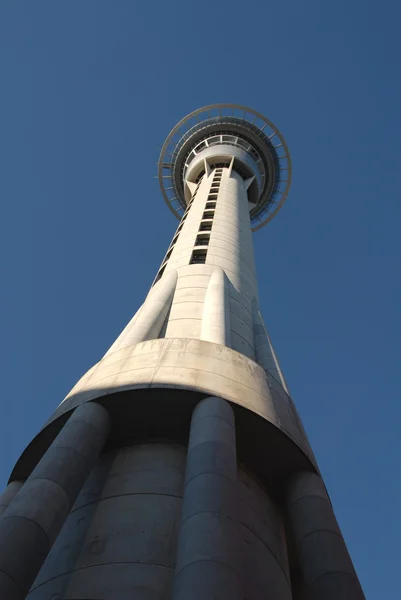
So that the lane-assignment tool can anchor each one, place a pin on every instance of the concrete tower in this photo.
(177, 468)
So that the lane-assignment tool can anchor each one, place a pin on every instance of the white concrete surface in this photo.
(187, 301)
(196, 365)
(216, 311)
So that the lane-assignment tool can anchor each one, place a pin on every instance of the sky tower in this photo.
(177, 468)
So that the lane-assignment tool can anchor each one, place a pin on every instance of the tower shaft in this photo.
(178, 468)
(207, 280)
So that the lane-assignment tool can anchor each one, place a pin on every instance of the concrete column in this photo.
(33, 520)
(216, 313)
(7, 496)
(326, 566)
(208, 556)
(147, 323)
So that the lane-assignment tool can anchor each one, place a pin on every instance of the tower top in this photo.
(223, 134)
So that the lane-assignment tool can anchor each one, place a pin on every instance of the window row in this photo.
(196, 189)
(176, 236)
(198, 256)
(202, 239)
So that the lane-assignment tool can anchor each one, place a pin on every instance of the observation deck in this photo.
(223, 134)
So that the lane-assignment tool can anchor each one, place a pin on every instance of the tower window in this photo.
(212, 197)
(168, 255)
(202, 240)
(159, 275)
(208, 214)
(211, 205)
(198, 257)
(205, 226)
(200, 147)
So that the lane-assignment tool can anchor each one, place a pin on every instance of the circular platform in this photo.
(227, 124)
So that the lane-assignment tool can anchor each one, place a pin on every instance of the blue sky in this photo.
(89, 91)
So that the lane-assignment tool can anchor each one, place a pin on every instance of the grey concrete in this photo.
(326, 567)
(120, 538)
(8, 589)
(7, 496)
(109, 582)
(265, 570)
(32, 521)
(208, 556)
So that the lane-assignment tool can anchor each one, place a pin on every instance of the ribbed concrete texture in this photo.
(8, 495)
(184, 472)
(120, 538)
(34, 518)
(327, 569)
(265, 572)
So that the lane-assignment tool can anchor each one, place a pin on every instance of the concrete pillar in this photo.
(33, 520)
(208, 556)
(119, 541)
(147, 323)
(325, 564)
(216, 313)
(7, 496)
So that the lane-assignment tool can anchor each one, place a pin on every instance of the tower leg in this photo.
(119, 541)
(7, 496)
(33, 520)
(207, 565)
(326, 566)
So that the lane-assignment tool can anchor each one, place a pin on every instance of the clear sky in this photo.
(89, 90)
